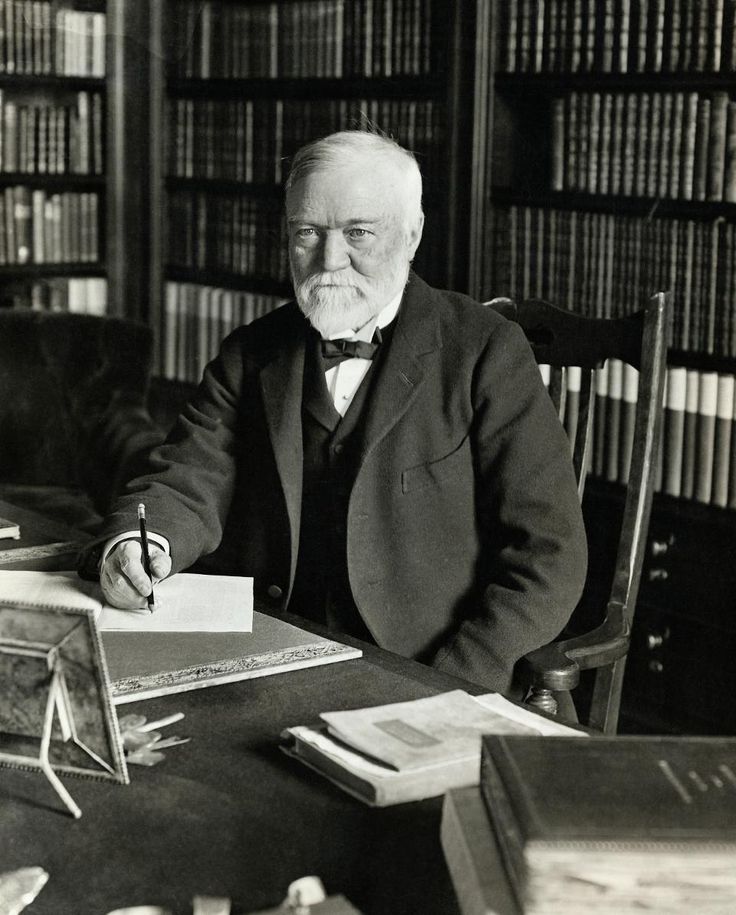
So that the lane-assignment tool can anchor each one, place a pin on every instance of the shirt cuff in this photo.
(134, 535)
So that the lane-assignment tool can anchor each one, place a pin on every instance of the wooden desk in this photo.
(51, 545)
(229, 814)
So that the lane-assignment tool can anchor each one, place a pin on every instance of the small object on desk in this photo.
(305, 892)
(145, 757)
(19, 888)
(210, 905)
(141, 910)
(306, 896)
(9, 530)
(150, 600)
(142, 744)
(161, 722)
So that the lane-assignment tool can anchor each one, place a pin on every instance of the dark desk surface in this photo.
(229, 815)
(42, 537)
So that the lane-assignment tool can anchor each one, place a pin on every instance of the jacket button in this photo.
(339, 448)
(274, 591)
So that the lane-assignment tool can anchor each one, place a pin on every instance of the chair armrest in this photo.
(557, 666)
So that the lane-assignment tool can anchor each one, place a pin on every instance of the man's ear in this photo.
(414, 235)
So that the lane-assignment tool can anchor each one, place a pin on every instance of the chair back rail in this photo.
(572, 347)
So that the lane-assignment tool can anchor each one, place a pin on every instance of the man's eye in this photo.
(358, 233)
(305, 232)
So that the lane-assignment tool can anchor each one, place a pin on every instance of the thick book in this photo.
(615, 824)
(143, 665)
(408, 751)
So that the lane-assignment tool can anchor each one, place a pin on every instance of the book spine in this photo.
(612, 433)
(722, 440)
(732, 461)
(690, 434)
(674, 430)
(717, 145)
(707, 401)
(629, 397)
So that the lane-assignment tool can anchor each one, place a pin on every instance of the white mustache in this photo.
(312, 282)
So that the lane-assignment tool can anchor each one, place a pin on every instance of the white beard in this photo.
(331, 308)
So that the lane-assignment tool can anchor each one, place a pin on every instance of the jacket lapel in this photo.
(400, 377)
(281, 381)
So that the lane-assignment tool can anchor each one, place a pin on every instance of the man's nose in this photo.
(335, 254)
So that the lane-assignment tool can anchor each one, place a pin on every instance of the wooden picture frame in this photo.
(57, 713)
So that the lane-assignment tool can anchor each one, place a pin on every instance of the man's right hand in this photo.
(122, 576)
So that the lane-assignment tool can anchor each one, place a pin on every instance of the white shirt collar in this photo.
(384, 317)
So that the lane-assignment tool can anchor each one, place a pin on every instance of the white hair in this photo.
(343, 147)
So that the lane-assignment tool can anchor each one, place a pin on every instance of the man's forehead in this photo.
(340, 205)
(366, 185)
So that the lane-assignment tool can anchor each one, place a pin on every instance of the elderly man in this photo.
(379, 455)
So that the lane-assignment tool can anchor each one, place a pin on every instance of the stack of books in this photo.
(605, 825)
(407, 751)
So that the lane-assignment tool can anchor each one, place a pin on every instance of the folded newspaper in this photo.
(407, 751)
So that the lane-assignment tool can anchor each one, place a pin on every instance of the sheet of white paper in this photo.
(60, 589)
(184, 603)
(190, 603)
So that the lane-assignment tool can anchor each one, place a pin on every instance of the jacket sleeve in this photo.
(188, 483)
(534, 558)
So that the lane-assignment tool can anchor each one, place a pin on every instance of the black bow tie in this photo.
(336, 351)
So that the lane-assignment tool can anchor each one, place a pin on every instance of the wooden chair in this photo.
(561, 340)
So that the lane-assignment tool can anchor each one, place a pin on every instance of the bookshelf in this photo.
(52, 155)
(244, 86)
(605, 169)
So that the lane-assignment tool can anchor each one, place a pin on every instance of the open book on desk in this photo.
(406, 751)
(184, 602)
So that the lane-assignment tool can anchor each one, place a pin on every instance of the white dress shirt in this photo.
(343, 380)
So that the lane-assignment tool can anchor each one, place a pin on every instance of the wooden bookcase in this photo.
(605, 170)
(53, 159)
(244, 85)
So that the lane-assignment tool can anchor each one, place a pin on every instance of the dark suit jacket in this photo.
(465, 542)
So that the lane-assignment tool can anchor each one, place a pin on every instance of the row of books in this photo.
(697, 454)
(670, 144)
(41, 228)
(249, 140)
(81, 294)
(38, 38)
(607, 265)
(223, 232)
(49, 138)
(198, 318)
(303, 38)
(699, 437)
(618, 36)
